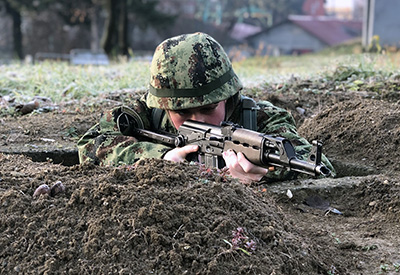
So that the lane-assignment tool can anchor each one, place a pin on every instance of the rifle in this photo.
(260, 149)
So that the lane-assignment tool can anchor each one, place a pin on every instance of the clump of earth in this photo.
(167, 218)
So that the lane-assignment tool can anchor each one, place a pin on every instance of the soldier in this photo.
(191, 78)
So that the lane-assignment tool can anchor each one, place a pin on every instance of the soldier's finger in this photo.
(249, 167)
(232, 161)
(189, 149)
(185, 150)
(179, 154)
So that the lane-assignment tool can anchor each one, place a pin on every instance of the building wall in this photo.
(387, 22)
(288, 39)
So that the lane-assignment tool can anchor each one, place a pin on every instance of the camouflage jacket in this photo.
(104, 144)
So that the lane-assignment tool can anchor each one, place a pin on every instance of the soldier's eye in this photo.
(209, 109)
(181, 112)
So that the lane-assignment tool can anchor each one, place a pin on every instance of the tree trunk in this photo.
(17, 34)
(123, 29)
(115, 36)
(94, 29)
(110, 27)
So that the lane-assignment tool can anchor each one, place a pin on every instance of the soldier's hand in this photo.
(179, 154)
(241, 168)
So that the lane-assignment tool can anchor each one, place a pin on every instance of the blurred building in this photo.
(304, 34)
(382, 21)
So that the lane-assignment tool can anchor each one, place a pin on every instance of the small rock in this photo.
(385, 182)
(41, 190)
(28, 107)
(300, 110)
(289, 194)
(57, 188)
(372, 203)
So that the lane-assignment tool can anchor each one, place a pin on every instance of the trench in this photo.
(69, 157)
(63, 157)
(331, 191)
(349, 175)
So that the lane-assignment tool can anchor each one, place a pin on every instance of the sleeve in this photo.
(276, 121)
(103, 144)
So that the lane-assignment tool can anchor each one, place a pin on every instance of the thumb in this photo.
(179, 154)
(190, 149)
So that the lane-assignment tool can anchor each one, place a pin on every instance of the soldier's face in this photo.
(212, 114)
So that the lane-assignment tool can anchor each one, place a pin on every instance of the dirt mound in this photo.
(157, 217)
(365, 132)
(378, 198)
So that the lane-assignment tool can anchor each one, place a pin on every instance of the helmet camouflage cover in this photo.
(189, 71)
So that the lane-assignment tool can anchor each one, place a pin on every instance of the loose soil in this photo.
(165, 218)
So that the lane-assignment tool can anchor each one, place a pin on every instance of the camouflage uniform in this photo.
(187, 71)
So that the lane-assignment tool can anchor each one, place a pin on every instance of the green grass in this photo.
(62, 82)
(255, 71)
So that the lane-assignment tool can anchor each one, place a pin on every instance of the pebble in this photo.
(57, 188)
(300, 110)
(41, 190)
(289, 194)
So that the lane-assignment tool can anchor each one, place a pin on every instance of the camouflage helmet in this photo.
(189, 71)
